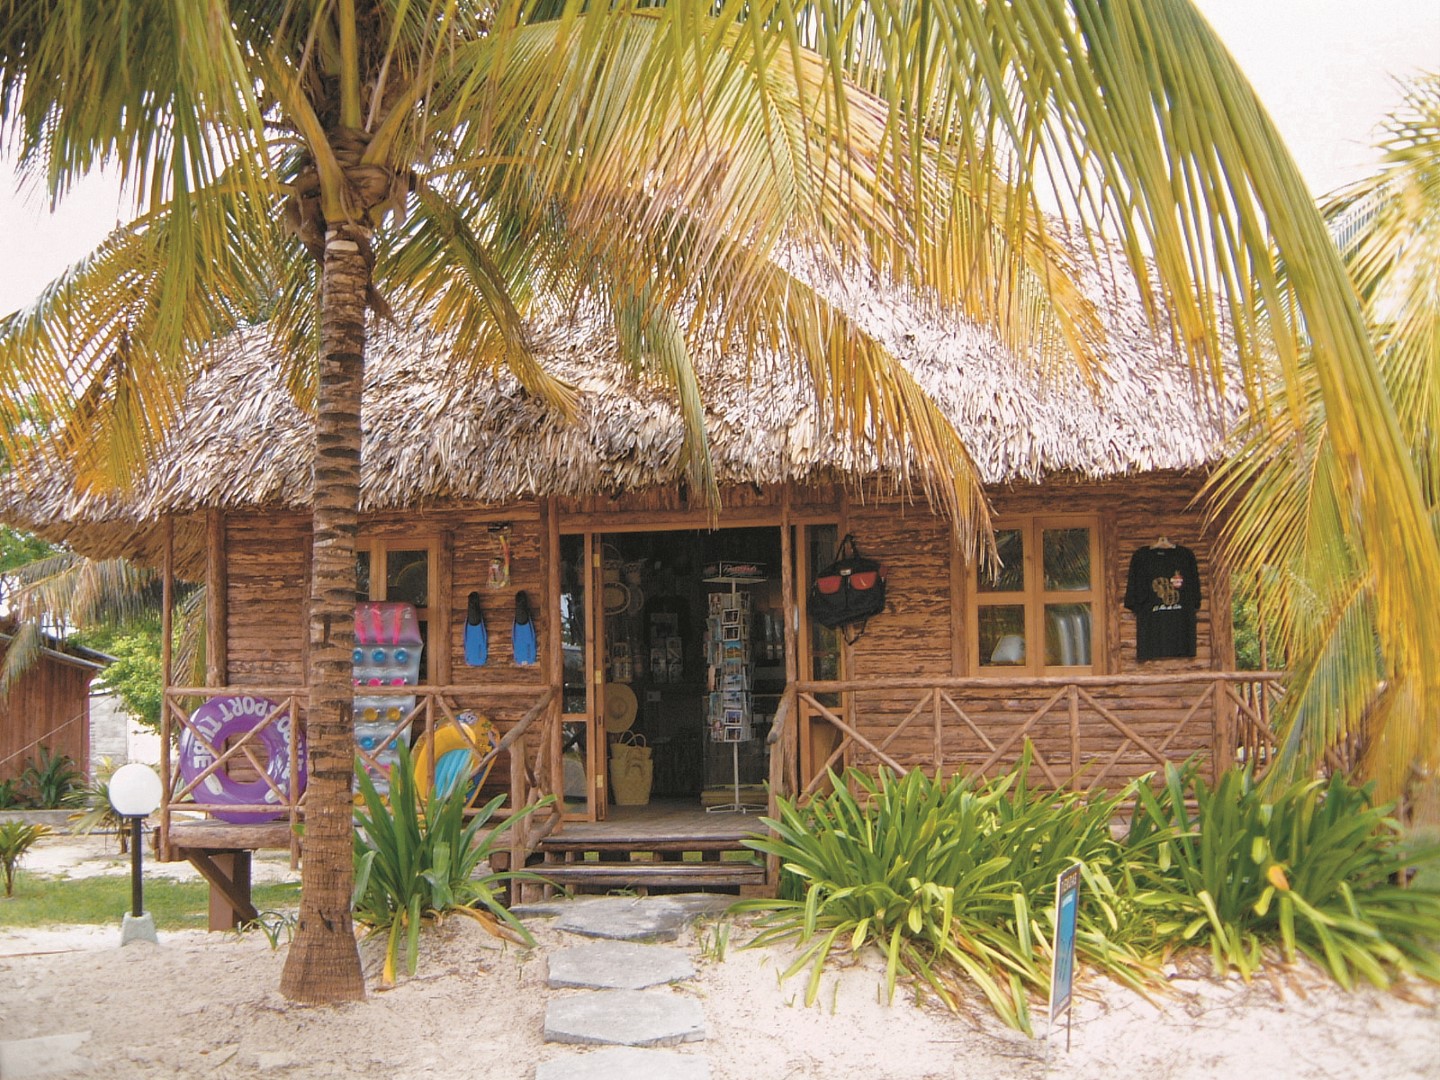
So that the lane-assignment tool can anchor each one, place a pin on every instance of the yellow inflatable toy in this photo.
(456, 757)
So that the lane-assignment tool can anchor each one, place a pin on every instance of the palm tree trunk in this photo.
(323, 965)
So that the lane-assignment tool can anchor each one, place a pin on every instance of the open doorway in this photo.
(687, 637)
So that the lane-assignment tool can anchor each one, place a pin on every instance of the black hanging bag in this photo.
(848, 591)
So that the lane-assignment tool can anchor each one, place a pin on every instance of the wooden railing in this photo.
(1083, 730)
(531, 744)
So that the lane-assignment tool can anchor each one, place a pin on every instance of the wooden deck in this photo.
(669, 844)
(661, 819)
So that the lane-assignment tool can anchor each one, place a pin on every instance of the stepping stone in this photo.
(625, 1063)
(618, 965)
(645, 918)
(48, 1055)
(624, 1018)
(547, 909)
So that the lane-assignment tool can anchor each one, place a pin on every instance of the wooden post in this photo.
(167, 602)
(216, 601)
(939, 748)
(167, 594)
(790, 605)
(554, 647)
(1074, 696)
(442, 609)
(788, 601)
(235, 866)
(1222, 658)
(293, 702)
(959, 574)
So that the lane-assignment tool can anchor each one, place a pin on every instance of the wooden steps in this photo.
(581, 861)
(681, 876)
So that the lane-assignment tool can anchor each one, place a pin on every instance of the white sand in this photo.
(207, 1004)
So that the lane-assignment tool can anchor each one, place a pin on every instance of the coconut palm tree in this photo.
(1350, 687)
(313, 162)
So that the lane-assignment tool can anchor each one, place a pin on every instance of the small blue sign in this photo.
(1062, 970)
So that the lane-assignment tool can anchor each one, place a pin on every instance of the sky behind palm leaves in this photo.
(1326, 69)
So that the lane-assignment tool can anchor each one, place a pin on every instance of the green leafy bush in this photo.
(953, 881)
(50, 778)
(16, 838)
(9, 792)
(414, 865)
(1313, 867)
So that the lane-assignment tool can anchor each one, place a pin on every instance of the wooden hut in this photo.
(470, 489)
(48, 705)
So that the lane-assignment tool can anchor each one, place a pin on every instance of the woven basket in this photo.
(631, 770)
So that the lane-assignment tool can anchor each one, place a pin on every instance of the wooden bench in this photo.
(222, 852)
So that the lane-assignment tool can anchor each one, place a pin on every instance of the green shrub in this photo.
(16, 838)
(9, 793)
(953, 881)
(413, 866)
(50, 778)
(94, 809)
(1312, 867)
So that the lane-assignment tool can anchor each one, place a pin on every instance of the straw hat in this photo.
(620, 706)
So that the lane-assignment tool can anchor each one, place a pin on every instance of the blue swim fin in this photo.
(477, 638)
(523, 635)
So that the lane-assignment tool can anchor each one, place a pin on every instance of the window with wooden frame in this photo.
(400, 569)
(1042, 612)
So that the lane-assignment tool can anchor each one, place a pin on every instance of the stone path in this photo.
(618, 1006)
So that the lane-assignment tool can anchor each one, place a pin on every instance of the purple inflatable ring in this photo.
(223, 718)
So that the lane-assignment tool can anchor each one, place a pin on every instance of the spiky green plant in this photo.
(16, 838)
(415, 864)
(49, 778)
(953, 881)
(94, 809)
(1313, 867)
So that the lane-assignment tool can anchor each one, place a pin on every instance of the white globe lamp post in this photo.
(135, 792)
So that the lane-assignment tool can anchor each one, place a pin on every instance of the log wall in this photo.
(49, 705)
(923, 632)
(266, 598)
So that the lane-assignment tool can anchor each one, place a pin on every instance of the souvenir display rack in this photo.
(731, 670)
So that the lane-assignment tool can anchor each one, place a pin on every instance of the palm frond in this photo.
(1296, 507)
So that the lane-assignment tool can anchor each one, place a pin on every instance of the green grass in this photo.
(175, 905)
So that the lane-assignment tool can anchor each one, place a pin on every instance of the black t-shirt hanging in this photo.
(1164, 593)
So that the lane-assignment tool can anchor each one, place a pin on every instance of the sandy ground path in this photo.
(203, 1004)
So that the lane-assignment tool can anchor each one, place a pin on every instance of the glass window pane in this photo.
(1067, 635)
(362, 574)
(577, 788)
(1010, 544)
(1002, 635)
(1067, 560)
(407, 577)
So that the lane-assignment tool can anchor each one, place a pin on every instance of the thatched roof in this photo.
(241, 442)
